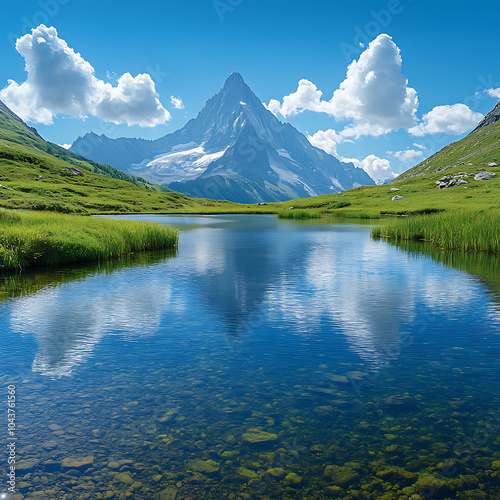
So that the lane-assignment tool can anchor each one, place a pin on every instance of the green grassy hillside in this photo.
(14, 132)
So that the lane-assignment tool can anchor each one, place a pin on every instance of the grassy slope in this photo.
(420, 194)
(14, 132)
(24, 156)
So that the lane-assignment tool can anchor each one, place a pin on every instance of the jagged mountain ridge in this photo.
(234, 149)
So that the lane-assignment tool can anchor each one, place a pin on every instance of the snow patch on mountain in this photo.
(284, 153)
(182, 164)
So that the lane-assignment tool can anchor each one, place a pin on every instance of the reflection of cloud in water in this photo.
(456, 291)
(68, 321)
(209, 253)
(353, 292)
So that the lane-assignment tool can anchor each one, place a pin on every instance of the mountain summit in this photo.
(235, 149)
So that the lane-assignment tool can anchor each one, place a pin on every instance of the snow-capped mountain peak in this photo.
(234, 149)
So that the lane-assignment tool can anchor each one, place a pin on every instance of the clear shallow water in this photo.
(267, 359)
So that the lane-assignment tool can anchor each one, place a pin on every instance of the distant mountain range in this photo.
(480, 147)
(235, 149)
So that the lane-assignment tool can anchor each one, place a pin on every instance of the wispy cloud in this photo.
(177, 102)
(408, 155)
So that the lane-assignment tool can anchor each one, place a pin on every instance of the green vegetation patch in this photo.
(476, 231)
(298, 214)
(48, 239)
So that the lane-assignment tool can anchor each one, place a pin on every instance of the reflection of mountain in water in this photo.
(233, 275)
(311, 280)
(251, 276)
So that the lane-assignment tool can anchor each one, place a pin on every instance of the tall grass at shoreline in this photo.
(471, 231)
(49, 239)
(299, 214)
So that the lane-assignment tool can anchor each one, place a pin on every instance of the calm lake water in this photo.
(264, 359)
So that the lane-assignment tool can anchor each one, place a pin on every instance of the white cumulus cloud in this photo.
(379, 169)
(408, 155)
(453, 119)
(60, 81)
(375, 92)
(374, 95)
(177, 102)
(326, 140)
(306, 97)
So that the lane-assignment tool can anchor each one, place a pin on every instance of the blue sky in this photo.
(448, 53)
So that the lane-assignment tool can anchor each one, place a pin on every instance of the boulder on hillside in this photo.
(484, 176)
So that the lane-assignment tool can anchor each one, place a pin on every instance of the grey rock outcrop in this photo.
(484, 176)
(456, 180)
(492, 117)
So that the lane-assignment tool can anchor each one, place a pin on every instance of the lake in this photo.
(264, 359)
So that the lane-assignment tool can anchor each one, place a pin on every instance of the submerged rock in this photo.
(397, 475)
(341, 475)
(293, 478)
(257, 436)
(245, 473)
(338, 379)
(168, 493)
(400, 403)
(203, 466)
(324, 411)
(124, 477)
(322, 390)
(77, 462)
(27, 465)
(275, 472)
(356, 375)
